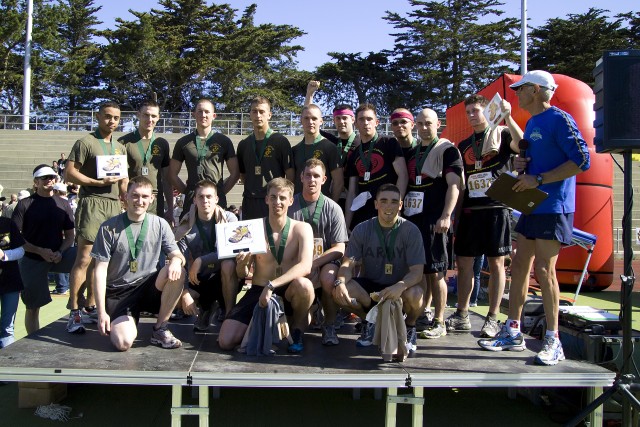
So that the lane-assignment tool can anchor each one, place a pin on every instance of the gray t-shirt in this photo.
(192, 244)
(111, 245)
(364, 246)
(332, 227)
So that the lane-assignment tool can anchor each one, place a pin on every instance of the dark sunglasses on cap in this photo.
(47, 177)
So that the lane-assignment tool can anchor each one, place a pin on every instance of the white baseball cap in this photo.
(538, 77)
(44, 171)
(23, 194)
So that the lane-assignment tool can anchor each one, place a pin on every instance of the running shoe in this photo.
(457, 323)
(551, 352)
(412, 339)
(89, 314)
(491, 328)
(504, 341)
(164, 338)
(317, 317)
(240, 233)
(203, 321)
(340, 318)
(74, 324)
(329, 336)
(424, 321)
(366, 336)
(436, 330)
(297, 345)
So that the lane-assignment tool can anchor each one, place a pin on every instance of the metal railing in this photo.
(183, 122)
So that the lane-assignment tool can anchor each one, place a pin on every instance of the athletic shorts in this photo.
(546, 227)
(92, 211)
(210, 290)
(35, 277)
(483, 232)
(369, 285)
(243, 310)
(131, 300)
(435, 244)
(254, 208)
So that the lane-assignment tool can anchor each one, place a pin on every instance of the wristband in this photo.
(338, 282)
(270, 286)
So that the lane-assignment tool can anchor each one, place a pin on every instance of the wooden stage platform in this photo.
(53, 355)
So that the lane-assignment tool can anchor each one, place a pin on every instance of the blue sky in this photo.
(365, 31)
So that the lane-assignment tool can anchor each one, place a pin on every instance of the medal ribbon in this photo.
(477, 148)
(315, 221)
(347, 146)
(104, 145)
(366, 158)
(422, 157)
(387, 250)
(145, 156)
(208, 242)
(283, 240)
(135, 248)
(202, 150)
(264, 146)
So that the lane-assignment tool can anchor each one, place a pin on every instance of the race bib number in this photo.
(318, 247)
(479, 183)
(413, 202)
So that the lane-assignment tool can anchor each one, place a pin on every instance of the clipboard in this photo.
(524, 201)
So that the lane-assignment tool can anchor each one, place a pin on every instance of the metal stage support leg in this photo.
(178, 409)
(415, 398)
(596, 418)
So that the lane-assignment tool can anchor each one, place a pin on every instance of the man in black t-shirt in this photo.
(149, 156)
(435, 179)
(46, 223)
(262, 156)
(347, 140)
(484, 225)
(377, 160)
(205, 153)
(314, 145)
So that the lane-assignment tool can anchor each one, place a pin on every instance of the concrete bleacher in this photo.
(21, 151)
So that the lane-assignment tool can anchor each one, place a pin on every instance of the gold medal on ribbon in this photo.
(278, 271)
(258, 170)
(388, 269)
(133, 266)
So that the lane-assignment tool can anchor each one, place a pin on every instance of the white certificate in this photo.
(240, 236)
(493, 111)
(112, 166)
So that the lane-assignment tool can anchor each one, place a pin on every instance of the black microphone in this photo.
(523, 145)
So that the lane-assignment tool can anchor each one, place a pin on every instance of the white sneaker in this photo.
(551, 352)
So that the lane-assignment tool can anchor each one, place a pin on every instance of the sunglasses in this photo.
(47, 177)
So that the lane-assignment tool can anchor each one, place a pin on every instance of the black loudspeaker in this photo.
(617, 106)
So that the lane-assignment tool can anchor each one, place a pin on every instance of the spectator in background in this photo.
(62, 279)
(62, 163)
(8, 209)
(11, 249)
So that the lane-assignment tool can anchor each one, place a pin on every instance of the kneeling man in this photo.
(282, 271)
(126, 276)
(390, 254)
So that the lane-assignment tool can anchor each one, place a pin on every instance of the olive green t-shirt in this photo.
(84, 151)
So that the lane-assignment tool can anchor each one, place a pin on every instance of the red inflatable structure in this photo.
(594, 192)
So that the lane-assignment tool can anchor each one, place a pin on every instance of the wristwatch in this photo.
(338, 282)
(539, 179)
(270, 286)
